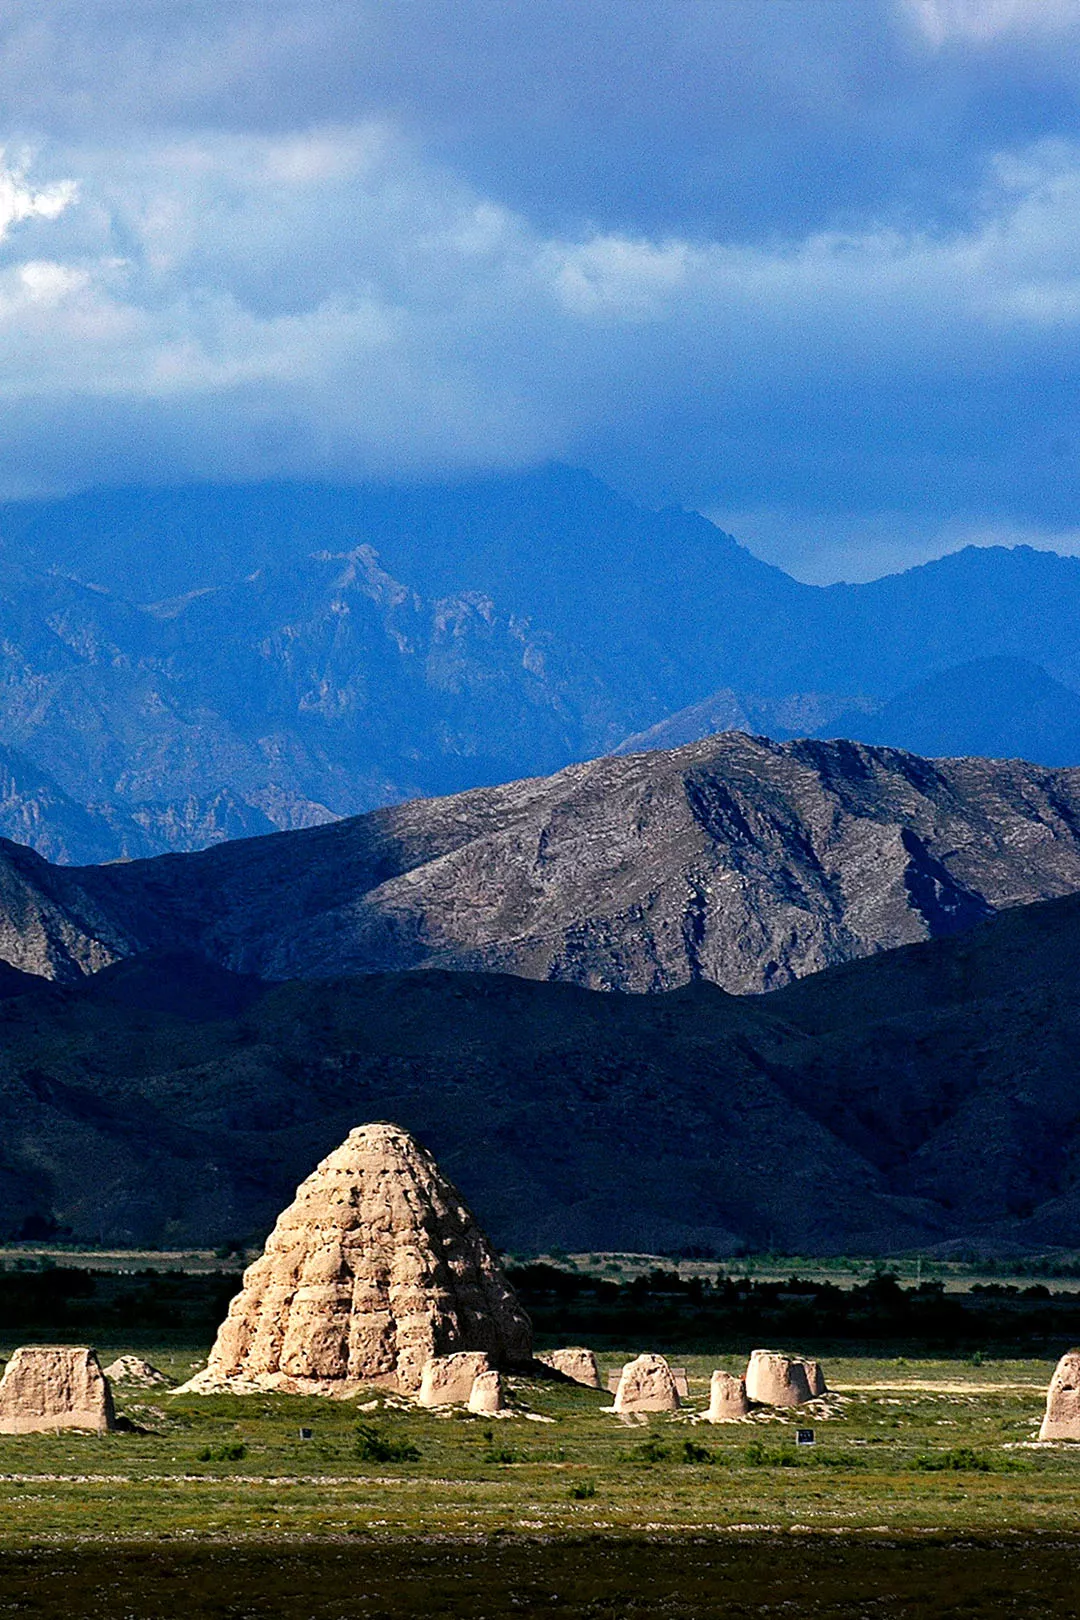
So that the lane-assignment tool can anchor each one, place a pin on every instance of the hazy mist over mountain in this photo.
(307, 309)
(808, 266)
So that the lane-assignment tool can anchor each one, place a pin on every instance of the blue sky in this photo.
(811, 266)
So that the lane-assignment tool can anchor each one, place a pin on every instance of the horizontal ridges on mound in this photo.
(374, 1268)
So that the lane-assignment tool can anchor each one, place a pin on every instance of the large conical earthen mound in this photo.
(376, 1266)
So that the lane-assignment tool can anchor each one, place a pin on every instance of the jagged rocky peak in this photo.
(375, 1268)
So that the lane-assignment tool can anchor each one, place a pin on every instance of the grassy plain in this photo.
(922, 1496)
(903, 1446)
(924, 1493)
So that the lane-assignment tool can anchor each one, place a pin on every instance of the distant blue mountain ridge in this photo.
(185, 665)
(999, 708)
(993, 708)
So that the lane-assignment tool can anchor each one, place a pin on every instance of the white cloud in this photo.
(329, 283)
(979, 21)
(754, 256)
(47, 283)
(612, 275)
(19, 201)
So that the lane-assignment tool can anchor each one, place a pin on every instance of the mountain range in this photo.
(185, 666)
(182, 1037)
(915, 1099)
(734, 860)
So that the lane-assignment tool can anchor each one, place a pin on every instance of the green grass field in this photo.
(902, 1446)
(923, 1495)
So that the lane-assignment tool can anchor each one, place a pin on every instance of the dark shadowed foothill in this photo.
(915, 1097)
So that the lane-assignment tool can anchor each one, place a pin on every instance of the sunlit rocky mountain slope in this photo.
(734, 860)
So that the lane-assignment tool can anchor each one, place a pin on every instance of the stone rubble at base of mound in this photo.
(50, 1387)
(1062, 1419)
(210, 1383)
(376, 1267)
(486, 1394)
(646, 1385)
(574, 1362)
(774, 1378)
(447, 1380)
(133, 1370)
(727, 1398)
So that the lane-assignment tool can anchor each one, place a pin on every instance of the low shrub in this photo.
(960, 1460)
(650, 1451)
(501, 1454)
(759, 1456)
(371, 1446)
(230, 1452)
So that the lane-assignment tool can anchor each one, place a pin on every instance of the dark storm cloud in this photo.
(811, 265)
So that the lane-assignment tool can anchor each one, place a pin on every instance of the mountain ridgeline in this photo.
(187, 666)
(737, 861)
(582, 683)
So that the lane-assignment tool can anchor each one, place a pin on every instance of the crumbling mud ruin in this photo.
(374, 1270)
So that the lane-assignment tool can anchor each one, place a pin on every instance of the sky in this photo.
(809, 266)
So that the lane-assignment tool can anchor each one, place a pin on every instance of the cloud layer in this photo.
(399, 241)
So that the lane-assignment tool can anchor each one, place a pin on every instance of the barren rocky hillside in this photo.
(734, 860)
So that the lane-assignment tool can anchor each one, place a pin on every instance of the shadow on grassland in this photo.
(600, 1579)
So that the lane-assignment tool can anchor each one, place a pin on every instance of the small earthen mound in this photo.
(448, 1379)
(133, 1370)
(375, 1268)
(486, 1394)
(1062, 1420)
(646, 1385)
(727, 1398)
(47, 1387)
(574, 1362)
(776, 1379)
